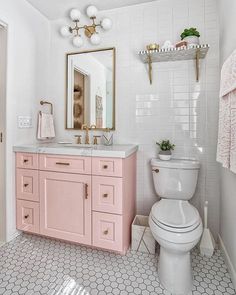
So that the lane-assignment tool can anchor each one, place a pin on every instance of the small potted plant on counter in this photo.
(165, 149)
(191, 36)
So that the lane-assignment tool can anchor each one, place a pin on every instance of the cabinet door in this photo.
(27, 184)
(107, 194)
(65, 206)
(66, 164)
(27, 160)
(107, 231)
(107, 166)
(27, 216)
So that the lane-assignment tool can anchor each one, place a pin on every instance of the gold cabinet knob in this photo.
(105, 232)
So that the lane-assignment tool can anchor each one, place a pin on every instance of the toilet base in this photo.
(175, 272)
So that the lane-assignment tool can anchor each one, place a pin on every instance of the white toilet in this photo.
(175, 224)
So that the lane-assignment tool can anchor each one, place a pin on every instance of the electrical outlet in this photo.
(24, 122)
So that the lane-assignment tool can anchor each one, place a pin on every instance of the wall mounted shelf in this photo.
(176, 54)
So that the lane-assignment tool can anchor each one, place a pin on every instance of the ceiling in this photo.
(55, 9)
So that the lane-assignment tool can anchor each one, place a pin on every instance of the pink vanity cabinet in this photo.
(87, 200)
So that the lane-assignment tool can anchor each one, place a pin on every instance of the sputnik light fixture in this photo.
(90, 30)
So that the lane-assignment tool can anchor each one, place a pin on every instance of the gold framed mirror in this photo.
(90, 89)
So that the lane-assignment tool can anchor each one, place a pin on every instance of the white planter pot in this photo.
(192, 40)
(165, 157)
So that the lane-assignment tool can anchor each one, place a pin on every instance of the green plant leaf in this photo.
(190, 32)
(165, 145)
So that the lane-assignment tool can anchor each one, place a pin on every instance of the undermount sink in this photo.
(79, 146)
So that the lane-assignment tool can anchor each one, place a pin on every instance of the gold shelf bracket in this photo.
(197, 64)
(150, 68)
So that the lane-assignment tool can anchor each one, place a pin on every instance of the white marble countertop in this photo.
(114, 151)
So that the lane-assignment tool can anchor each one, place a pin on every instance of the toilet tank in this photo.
(175, 179)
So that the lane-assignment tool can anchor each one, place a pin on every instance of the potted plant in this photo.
(165, 149)
(191, 36)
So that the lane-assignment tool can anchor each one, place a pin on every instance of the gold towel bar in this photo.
(42, 102)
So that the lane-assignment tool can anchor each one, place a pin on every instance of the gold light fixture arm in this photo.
(89, 30)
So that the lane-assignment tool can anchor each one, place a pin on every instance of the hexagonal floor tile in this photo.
(36, 265)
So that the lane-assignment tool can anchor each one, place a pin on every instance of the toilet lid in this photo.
(175, 214)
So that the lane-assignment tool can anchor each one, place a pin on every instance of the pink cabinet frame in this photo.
(88, 200)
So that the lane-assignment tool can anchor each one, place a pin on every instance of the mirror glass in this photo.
(91, 89)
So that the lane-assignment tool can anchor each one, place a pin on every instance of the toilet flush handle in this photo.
(155, 170)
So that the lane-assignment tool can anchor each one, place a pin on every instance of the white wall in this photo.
(3, 73)
(174, 107)
(27, 61)
(227, 11)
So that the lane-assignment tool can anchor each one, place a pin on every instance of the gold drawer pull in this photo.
(105, 166)
(26, 160)
(26, 184)
(105, 232)
(61, 163)
(105, 195)
(86, 190)
(26, 216)
(156, 170)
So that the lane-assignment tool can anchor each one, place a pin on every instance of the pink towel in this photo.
(226, 149)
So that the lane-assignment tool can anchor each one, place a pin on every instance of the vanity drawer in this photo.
(27, 186)
(107, 194)
(107, 231)
(107, 166)
(27, 216)
(71, 164)
(27, 160)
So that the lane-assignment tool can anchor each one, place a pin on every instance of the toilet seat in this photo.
(175, 215)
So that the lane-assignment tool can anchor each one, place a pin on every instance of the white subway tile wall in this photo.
(174, 107)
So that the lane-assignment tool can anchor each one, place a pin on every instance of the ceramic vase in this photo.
(192, 40)
(165, 155)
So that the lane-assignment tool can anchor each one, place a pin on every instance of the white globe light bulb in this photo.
(95, 39)
(77, 41)
(106, 24)
(92, 11)
(65, 31)
(75, 14)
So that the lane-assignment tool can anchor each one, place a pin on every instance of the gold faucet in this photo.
(86, 128)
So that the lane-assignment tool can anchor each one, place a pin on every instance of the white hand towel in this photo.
(45, 126)
(226, 149)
